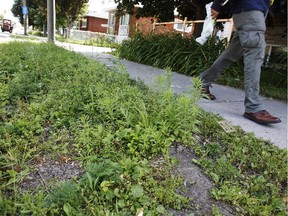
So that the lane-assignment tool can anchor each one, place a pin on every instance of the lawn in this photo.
(78, 138)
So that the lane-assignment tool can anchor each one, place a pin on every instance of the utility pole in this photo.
(51, 20)
(25, 16)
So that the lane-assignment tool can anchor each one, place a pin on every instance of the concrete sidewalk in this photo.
(229, 101)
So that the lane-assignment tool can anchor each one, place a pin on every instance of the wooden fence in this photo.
(193, 23)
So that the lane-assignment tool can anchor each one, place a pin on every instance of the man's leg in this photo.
(251, 30)
(227, 57)
(253, 59)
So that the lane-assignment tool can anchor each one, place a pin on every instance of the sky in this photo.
(5, 7)
(94, 5)
(99, 5)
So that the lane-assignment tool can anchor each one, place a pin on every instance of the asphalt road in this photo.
(4, 36)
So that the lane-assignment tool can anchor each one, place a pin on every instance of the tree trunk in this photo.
(69, 28)
(45, 30)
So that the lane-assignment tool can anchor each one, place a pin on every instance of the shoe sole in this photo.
(208, 98)
(261, 122)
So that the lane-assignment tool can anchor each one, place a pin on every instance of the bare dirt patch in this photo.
(48, 172)
(197, 185)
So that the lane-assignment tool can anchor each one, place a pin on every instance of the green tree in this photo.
(36, 12)
(70, 11)
(67, 11)
(164, 9)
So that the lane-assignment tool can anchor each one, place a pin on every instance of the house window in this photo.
(84, 23)
(111, 20)
(111, 23)
(179, 26)
(124, 20)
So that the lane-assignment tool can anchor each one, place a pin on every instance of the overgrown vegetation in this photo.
(99, 41)
(25, 37)
(183, 55)
(54, 102)
(186, 56)
(243, 169)
(59, 105)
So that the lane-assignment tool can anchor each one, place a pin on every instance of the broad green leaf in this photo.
(137, 191)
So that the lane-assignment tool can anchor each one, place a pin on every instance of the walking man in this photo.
(249, 42)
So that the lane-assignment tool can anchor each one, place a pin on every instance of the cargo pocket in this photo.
(251, 39)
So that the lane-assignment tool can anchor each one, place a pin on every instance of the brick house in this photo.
(94, 22)
(127, 25)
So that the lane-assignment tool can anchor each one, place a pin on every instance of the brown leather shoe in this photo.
(207, 94)
(262, 117)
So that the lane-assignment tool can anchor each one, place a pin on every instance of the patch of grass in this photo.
(243, 168)
(55, 102)
(99, 41)
(273, 83)
(77, 108)
(25, 37)
(37, 33)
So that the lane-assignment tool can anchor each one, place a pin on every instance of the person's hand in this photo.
(214, 14)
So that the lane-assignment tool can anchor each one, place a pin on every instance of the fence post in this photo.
(230, 31)
(154, 24)
(192, 27)
(183, 26)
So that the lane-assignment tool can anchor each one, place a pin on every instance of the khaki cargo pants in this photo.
(249, 42)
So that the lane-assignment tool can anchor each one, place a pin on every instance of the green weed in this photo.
(55, 102)
(77, 107)
(244, 168)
